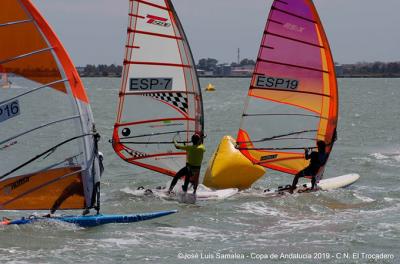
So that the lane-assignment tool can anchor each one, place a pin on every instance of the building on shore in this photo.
(243, 71)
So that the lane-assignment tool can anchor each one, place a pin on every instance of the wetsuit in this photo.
(317, 160)
(75, 188)
(192, 169)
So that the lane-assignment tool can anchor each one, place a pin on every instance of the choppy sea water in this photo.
(359, 224)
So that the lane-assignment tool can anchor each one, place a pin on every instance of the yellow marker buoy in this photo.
(210, 88)
(229, 168)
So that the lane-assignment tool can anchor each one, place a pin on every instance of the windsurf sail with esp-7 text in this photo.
(293, 98)
(48, 147)
(160, 97)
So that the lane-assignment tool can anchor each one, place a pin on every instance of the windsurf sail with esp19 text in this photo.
(160, 96)
(293, 98)
(48, 147)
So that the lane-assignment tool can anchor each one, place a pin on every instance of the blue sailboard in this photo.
(91, 220)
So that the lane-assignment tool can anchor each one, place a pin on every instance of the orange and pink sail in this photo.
(293, 97)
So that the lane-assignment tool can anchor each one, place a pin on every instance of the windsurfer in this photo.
(192, 169)
(317, 161)
(76, 188)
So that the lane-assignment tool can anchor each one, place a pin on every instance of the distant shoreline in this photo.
(209, 68)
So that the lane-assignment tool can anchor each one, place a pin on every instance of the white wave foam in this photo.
(363, 198)
(379, 156)
(189, 232)
(261, 209)
(120, 242)
(388, 199)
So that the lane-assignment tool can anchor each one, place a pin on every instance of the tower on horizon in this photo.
(238, 56)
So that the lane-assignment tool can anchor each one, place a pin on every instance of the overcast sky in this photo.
(94, 31)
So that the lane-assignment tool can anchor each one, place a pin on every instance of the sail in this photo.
(48, 152)
(160, 96)
(293, 99)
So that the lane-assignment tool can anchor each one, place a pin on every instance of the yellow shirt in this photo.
(194, 153)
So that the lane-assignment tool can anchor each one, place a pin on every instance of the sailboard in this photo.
(292, 101)
(160, 97)
(90, 220)
(203, 193)
(324, 185)
(49, 157)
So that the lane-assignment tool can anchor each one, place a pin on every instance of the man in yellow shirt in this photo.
(192, 169)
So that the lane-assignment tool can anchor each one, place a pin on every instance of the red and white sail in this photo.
(160, 96)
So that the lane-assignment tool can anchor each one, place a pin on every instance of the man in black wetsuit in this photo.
(318, 160)
(191, 171)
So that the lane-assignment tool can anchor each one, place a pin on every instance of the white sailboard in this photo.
(324, 185)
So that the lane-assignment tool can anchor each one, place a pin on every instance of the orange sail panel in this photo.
(41, 191)
(160, 97)
(293, 98)
(46, 124)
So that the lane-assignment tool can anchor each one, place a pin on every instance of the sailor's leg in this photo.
(296, 180)
(187, 179)
(177, 176)
(314, 182)
(72, 189)
(195, 177)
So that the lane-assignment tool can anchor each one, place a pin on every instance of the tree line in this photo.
(361, 69)
(374, 69)
(101, 70)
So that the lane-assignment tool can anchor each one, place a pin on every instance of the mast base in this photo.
(229, 168)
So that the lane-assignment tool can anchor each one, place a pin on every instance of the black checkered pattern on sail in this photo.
(137, 154)
(177, 99)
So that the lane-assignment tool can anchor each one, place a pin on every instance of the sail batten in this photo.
(39, 127)
(153, 34)
(293, 39)
(47, 85)
(291, 65)
(15, 23)
(159, 64)
(25, 55)
(151, 4)
(293, 15)
(282, 90)
(293, 90)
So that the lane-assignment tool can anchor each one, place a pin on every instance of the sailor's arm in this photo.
(307, 154)
(177, 146)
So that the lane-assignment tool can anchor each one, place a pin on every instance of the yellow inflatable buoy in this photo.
(210, 88)
(229, 168)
